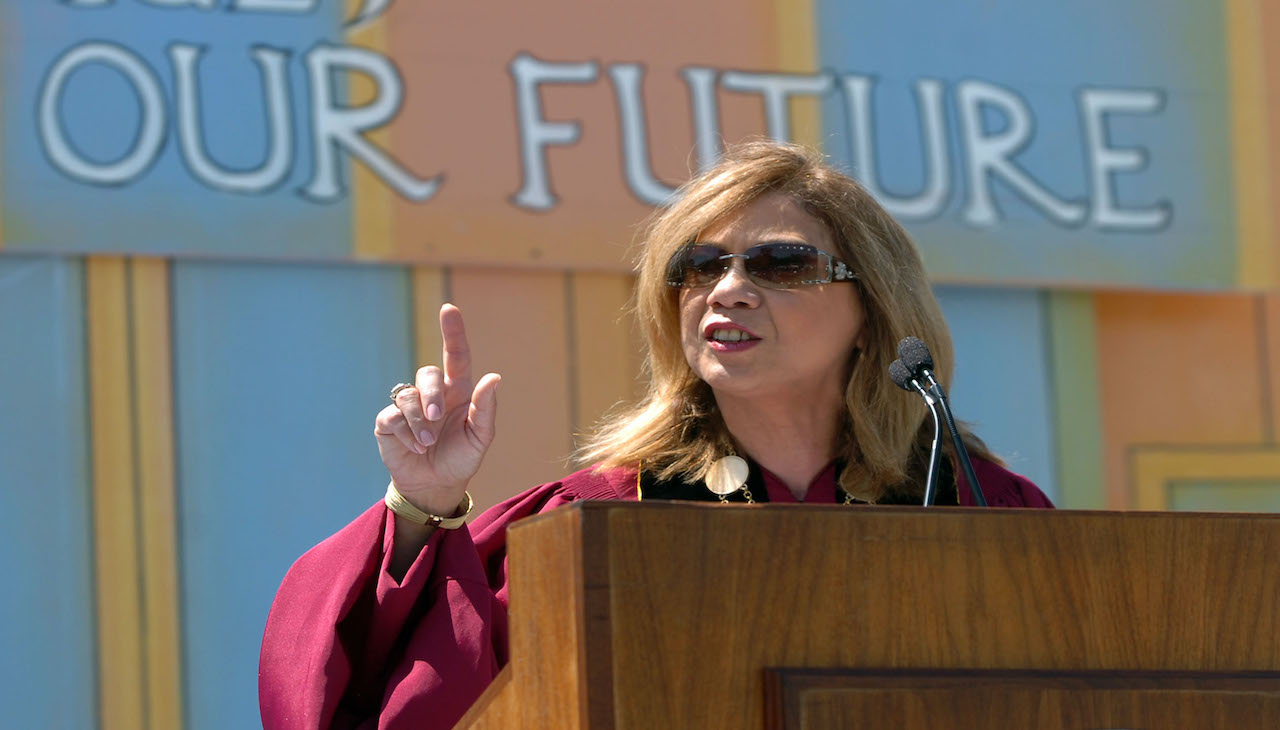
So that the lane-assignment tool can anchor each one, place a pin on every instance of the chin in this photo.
(736, 384)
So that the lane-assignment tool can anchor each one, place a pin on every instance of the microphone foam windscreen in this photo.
(915, 355)
(899, 374)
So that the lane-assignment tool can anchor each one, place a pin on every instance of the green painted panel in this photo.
(1073, 356)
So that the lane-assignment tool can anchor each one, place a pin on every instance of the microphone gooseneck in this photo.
(917, 360)
(902, 378)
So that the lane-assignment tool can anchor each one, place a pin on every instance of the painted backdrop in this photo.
(226, 226)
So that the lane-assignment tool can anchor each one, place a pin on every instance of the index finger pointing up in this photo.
(457, 357)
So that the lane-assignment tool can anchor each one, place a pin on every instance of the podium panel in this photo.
(980, 700)
(650, 615)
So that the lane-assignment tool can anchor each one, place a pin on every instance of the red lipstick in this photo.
(726, 336)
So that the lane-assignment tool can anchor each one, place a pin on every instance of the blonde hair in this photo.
(676, 430)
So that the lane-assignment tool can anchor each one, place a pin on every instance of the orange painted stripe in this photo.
(428, 285)
(1199, 337)
(516, 323)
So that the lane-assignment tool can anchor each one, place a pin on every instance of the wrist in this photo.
(411, 534)
(449, 518)
(434, 498)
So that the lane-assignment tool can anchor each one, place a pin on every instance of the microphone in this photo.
(902, 378)
(919, 363)
(915, 356)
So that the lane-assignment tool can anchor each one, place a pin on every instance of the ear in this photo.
(860, 342)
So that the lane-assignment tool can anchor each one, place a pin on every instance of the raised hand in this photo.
(434, 436)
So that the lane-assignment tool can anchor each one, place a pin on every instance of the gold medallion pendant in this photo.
(727, 475)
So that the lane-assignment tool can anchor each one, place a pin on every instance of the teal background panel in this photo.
(1002, 381)
(1047, 54)
(279, 373)
(1225, 496)
(47, 618)
(163, 209)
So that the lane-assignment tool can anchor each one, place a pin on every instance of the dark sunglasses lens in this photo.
(786, 264)
(695, 265)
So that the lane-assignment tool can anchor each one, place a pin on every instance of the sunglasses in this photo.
(771, 265)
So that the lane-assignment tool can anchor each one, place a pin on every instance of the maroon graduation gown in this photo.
(346, 646)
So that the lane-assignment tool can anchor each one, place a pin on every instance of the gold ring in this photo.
(399, 387)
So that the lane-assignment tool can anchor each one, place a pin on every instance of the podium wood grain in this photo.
(667, 615)
(981, 699)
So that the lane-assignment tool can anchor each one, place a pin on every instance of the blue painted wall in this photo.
(1001, 385)
(279, 373)
(47, 619)
(163, 209)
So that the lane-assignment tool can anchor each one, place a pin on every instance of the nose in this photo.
(735, 288)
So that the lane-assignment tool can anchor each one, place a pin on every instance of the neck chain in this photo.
(728, 474)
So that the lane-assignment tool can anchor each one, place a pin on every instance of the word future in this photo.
(990, 155)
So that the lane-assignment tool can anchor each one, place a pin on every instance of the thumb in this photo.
(483, 412)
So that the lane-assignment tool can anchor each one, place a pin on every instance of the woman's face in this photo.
(797, 343)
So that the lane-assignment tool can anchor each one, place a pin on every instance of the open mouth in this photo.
(730, 335)
(727, 339)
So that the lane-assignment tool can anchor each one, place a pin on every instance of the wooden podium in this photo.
(676, 615)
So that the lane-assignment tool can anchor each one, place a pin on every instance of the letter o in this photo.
(150, 135)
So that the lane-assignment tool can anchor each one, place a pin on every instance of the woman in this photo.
(772, 296)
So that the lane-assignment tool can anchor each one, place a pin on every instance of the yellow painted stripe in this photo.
(798, 53)
(428, 285)
(152, 361)
(603, 343)
(117, 576)
(1155, 469)
(372, 212)
(1256, 263)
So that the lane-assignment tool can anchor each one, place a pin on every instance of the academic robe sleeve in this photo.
(346, 646)
(1001, 487)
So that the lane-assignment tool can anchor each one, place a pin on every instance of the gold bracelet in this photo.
(401, 506)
